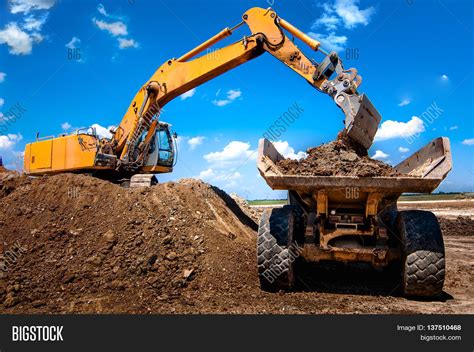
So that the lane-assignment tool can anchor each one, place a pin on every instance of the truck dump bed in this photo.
(423, 172)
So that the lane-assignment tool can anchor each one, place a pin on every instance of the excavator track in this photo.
(143, 180)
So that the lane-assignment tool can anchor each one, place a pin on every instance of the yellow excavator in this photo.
(142, 145)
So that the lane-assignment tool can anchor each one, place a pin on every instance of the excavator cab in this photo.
(161, 156)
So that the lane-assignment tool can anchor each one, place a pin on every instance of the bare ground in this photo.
(93, 247)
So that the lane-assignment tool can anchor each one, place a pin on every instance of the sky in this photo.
(70, 64)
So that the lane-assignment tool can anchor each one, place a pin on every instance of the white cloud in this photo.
(469, 141)
(66, 126)
(403, 150)
(2, 102)
(288, 152)
(452, 128)
(32, 23)
(115, 28)
(395, 129)
(346, 12)
(351, 14)
(188, 94)
(18, 6)
(211, 175)
(2, 76)
(9, 140)
(328, 21)
(444, 77)
(379, 155)
(127, 43)
(195, 142)
(404, 102)
(234, 153)
(101, 131)
(102, 10)
(232, 94)
(330, 41)
(73, 42)
(20, 42)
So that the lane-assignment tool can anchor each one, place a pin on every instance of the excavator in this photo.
(328, 218)
(142, 145)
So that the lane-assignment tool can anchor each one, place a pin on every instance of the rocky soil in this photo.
(76, 244)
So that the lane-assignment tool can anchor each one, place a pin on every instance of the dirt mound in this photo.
(338, 158)
(462, 226)
(246, 208)
(73, 243)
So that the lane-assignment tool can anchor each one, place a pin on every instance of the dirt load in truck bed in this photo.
(76, 244)
(337, 158)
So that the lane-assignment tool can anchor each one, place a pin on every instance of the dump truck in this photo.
(352, 220)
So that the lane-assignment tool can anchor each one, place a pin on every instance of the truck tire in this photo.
(423, 264)
(276, 250)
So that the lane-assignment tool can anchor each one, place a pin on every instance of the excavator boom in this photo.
(130, 146)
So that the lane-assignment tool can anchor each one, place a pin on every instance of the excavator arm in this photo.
(177, 76)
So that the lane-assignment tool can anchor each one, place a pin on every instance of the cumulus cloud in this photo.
(2, 76)
(380, 155)
(330, 22)
(403, 150)
(288, 152)
(452, 128)
(127, 43)
(9, 140)
(469, 141)
(232, 94)
(19, 41)
(211, 175)
(101, 131)
(330, 41)
(394, 129)
(114, 28)
(404, 102)
(335, 14)
(73, 42)
(66, 126)
(188, 94)
(195, 142)
(19, 6)
(350, 13)
(235, 153)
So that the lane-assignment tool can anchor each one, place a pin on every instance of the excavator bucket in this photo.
(362, 119)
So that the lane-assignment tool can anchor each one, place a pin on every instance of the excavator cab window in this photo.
(165, 145)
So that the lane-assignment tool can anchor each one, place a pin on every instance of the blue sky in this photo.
(415, 57)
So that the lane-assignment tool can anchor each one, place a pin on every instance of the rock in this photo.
(153, 279)
(68, 278)
(118, 285)
(38, 303)
(10, 300)
(187, 273)
(167, 239)
(171, 256)
(110, 237)
(349, 156)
